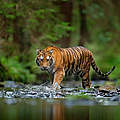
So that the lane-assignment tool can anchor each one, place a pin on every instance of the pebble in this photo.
(44, 92)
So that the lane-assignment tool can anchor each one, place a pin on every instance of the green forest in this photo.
(26, 25)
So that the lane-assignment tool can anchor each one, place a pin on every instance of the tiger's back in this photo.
(76, 60)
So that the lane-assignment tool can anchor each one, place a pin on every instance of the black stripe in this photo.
(68, 67)
(82, 59)
(63, 51)
(82, 74)
(84, 62)
(87, 64)
(69, 71)
(79, 59)
(96, 69)
(73, 62)
(99, 72)
(87, 59)
(77, 64)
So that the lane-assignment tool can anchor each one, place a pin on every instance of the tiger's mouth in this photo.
(41, 67)
(48, 68)
(44, 68)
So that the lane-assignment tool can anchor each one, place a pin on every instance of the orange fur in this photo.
(61, 61)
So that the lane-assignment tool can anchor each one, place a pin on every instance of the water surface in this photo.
(55, 109)
(39, 102)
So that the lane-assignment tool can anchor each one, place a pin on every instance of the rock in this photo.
(107, 88)
(99, 94)
(13, 84)
(1, 84)
(115, 98)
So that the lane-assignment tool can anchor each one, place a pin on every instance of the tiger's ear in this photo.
(51, 51)
(38, 51)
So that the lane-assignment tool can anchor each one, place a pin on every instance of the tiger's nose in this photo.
(44, 68)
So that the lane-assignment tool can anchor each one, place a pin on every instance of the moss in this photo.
(80, 96)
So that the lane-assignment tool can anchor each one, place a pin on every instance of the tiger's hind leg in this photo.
(76, 77)
(86, 81)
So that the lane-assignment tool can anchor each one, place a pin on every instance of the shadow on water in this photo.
(54, 109)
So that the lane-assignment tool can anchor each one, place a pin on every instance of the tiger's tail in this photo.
(97, 70)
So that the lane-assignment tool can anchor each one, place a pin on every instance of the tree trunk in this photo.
(3, 28)
(16, 33)
(20, 37)
(66, 10)
(84, 35)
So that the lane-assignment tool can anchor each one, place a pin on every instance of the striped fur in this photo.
(74, 60)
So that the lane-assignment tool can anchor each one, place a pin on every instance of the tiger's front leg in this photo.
(58, 77)
(51, 77)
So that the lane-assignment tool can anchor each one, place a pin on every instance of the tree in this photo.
(66, 8)
(84, 34)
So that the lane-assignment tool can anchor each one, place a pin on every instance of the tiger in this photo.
(66, 61)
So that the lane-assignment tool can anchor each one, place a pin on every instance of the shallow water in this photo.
(39, 102)
(54, 109)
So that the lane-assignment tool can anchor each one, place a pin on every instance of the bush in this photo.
(12, 69)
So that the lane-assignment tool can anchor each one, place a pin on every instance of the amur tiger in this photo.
(62, 61)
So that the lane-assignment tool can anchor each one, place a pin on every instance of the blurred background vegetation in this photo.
(26, 25)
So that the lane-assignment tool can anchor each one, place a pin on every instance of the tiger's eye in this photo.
(41, 58)
(47, 58)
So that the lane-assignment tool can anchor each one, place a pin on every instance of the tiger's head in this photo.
(45, 59)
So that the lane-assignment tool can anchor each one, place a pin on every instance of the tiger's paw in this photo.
(56, 86)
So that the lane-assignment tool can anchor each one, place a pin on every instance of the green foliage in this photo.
(14, 70)
(95, 10)
(40, 18)
(30, 24)
(27, 25)
(104, 29)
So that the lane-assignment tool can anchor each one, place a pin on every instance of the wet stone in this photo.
(47, 94)
(44, 92)
(13, 84)
(115, 98)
